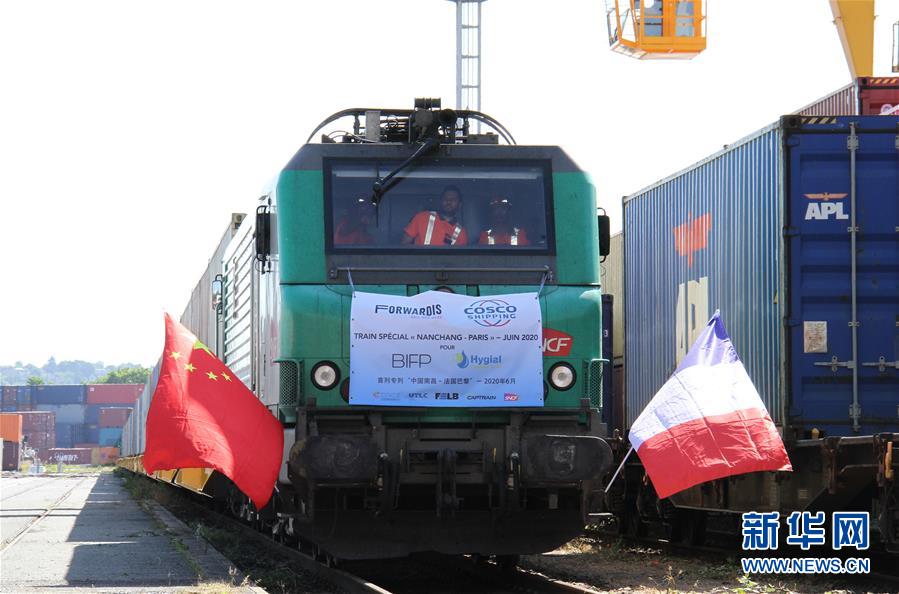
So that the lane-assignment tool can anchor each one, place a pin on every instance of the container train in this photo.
(793, 234)
(364, 481)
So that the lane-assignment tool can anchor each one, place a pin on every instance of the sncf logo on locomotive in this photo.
(556, 343)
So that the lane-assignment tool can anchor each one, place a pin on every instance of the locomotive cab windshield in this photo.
(444, 204)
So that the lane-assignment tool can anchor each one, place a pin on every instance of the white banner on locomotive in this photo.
(443, 349)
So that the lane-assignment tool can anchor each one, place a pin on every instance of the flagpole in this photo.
(620, 466)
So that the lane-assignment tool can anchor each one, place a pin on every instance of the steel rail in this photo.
(47, 511)
(40, 485)
(345, 581)
(519, 580)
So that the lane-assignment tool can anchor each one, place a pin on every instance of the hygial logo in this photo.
(478, 361)
(491, 313)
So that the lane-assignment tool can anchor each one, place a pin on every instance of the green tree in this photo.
(35, 381)
(126, 375)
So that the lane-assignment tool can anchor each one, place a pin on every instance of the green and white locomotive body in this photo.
(360, 480)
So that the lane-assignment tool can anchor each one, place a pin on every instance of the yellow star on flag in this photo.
(190, 367)
(227, 377)
(175, 355)
(212, 376)
(200, 346)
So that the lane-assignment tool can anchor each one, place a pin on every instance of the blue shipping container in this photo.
(91, 433)
(92, 413)
(110, 436)
(763, 231)
(65, 435)
(58, 394)
(65, 413)
(23, 394)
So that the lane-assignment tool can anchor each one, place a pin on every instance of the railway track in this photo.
(47, 510)
(33, 484)
(442, 574)
(436, 574)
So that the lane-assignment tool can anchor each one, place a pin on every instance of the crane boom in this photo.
(855, 25)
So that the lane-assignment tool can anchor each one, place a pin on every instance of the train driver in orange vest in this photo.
(352, 228)
(502, 231)
(430, 227)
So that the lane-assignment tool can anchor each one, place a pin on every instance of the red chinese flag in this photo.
(202, 416)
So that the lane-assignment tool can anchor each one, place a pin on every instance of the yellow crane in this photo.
(646, 29)
(675, 29)
(855, 26)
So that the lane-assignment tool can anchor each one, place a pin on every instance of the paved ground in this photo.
(68, 533)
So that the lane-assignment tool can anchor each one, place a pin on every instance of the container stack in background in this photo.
(113, 404)
(15, 398)
(67, 404)
(39, 431)
(66, 418)
(11, 440)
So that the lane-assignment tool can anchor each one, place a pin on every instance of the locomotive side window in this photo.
(452, 205)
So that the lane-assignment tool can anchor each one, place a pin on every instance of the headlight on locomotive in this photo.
(325, 375)
(561, 376)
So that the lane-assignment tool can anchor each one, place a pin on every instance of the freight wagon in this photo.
(793, 233)
(70, 455)
(369, 481)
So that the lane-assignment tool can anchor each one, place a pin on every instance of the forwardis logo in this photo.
(491, 313)
(428, 311)
(478, 361)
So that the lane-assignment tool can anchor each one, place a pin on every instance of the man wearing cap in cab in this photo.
(502, 231)
(430, 227)
(352, 228)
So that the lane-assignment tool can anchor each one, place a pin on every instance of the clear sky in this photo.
(129, 131)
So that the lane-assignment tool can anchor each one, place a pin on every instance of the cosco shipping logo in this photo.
(491, 313)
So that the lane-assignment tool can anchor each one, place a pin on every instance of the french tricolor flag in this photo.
(707, 421)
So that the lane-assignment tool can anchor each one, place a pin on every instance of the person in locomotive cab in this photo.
(431, 227)
(502, 231)
(352, 228)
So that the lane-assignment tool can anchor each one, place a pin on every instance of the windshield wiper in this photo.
(382, 184)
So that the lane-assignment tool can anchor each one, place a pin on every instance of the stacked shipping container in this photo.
(70, 455)
(15, 398)
(868, 95)
(113, 393)
(11, 427)
(114, 417)
(80, 414)
(759, 231)
(12, 454)
(11, 440)
(39, 431)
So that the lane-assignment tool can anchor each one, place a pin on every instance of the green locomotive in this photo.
(405, 202)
